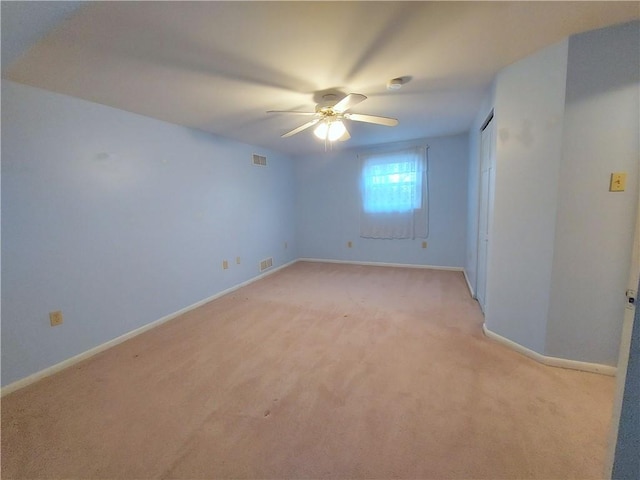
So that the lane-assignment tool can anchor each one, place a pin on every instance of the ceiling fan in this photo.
(329, 117)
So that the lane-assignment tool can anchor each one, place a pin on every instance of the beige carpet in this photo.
(317, 371)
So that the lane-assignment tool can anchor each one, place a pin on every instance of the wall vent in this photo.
(266, 263)
(260, 160)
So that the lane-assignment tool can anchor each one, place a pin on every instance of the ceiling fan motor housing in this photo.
(327, 103)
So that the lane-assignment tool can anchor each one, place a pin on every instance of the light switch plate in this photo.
(55, 318)
(618, 182)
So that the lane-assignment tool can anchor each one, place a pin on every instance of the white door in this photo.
(625, 344)
(487, 165)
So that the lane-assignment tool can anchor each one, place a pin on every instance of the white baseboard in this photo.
(466, 278)
(382, 264)
(551, 361)
(18, 384)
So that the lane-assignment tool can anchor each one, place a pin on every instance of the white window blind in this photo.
(394, 194)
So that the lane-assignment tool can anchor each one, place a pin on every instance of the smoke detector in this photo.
(397, 83)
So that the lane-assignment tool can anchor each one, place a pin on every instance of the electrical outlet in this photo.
(349, 244)
(237, 260)
(424, 244)
(225, 265)
(55, 318)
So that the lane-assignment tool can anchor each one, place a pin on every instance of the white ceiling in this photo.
(219, 66)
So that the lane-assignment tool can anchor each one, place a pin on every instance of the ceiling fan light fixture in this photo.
(330, 130)
(321, 130)
(336, 130)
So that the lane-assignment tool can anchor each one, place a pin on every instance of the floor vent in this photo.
(267, 263)
(259, 160)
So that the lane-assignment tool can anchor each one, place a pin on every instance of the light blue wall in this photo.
(560, 248)
(328, 206)
(118, 220)
(529, 106)
(594, 227)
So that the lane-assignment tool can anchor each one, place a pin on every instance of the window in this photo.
(391, 187)
(394, 194)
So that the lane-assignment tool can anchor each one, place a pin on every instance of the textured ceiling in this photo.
(219, 66)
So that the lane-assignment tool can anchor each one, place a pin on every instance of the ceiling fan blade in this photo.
(349, 101)
(295, 112)
(358, 117)
(301, 128)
